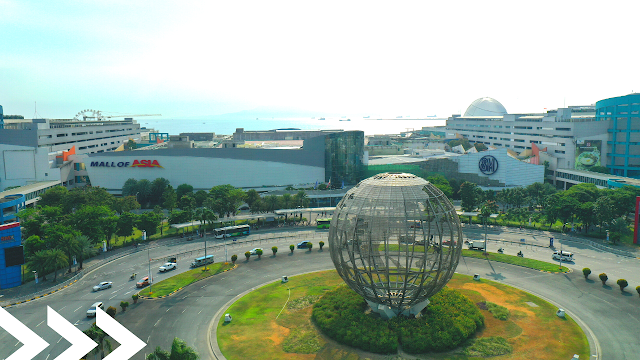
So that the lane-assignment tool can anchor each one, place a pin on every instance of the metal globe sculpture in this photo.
(396, 240)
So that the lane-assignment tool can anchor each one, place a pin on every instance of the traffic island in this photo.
(178, 282)
(279, 316)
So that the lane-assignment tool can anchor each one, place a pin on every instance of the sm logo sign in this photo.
(136, 163)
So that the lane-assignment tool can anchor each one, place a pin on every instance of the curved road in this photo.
(612, 316)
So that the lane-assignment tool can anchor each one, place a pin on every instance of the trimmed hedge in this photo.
(449, 320)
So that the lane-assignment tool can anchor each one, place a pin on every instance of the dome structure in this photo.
(396, 240)
(485, 106)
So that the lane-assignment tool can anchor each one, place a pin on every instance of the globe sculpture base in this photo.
(386, 312)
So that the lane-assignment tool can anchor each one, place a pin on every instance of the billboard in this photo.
(13, 256)
(588, 153)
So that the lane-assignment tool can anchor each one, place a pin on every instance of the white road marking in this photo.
(156, 323)
(40, 323)
(168, 310)
(84, 295)
(200, 311)
(47, 357)
(128, 292)
(228, 290)
(16, 344)
(148, 339)
(62, 308)
(184, 310)
(113, 292)
(76, 323)
(59, 340)
(113, 296)
(77, 309)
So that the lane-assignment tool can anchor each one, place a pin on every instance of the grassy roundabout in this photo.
(167, 286)
(263, 327)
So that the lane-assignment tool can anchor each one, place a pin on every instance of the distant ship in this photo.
(345, 119)
(398, 117)
(365, 117)
(321, 119)
(432, 115)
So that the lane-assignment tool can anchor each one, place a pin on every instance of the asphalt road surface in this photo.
(606, 313)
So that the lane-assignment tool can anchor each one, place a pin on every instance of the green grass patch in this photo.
(489, 346)
(173, 283)
(498, 311)
(302, 340)
(515, 260)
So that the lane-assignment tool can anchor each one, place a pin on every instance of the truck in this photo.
(477, 244)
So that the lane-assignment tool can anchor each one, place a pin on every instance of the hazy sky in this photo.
(186, 58)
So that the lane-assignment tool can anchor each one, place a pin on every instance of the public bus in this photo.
(204, 260)
(323, 223)
(231, 231)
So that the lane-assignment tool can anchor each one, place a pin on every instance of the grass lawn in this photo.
(167, 286)
(515, 260)
(264, 328)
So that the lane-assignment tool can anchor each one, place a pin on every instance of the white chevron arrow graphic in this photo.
(80, 343)
(129, 343)
(32, 343)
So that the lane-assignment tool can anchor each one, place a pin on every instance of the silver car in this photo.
(92, 310)
(103, 285)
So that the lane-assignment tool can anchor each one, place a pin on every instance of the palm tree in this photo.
(272, 202)
(100, 337)
(56, 259)
(85, 248)
(70, 246)
(286, 200)
(179, 351)
(38, 263)
(618, 228)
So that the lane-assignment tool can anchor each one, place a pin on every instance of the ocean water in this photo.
(228, 127)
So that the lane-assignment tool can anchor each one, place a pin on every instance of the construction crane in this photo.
(98, 116)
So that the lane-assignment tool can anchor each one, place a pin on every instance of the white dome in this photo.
(485, 106)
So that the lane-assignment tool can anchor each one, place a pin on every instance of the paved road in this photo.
(612, 316)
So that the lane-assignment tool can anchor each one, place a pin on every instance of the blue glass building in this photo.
(624, 141)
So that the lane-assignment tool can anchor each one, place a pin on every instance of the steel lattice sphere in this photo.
(396, 240)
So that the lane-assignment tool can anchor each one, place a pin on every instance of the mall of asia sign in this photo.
(488, 165)
(136, 163)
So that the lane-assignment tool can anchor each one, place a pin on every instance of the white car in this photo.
(92, 310)
(103, 285)
(562, 255)
(168, 266)
(255, 251)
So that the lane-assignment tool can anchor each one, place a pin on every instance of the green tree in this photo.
(251, 198)
(148, 222)
(301, 199)
(32, 222)
(169, 199)
(271, 202)
(97, 196)
(603, 209)
(126, 223)
(469, 196)
(88, 220)
(200, 197)
(618, 229)
(158, 187)
(600, 169)
(441, 183)
(143, 188)
(286, 200)
(480, 146)
(184, 189)
(100, 337)
(130, 187)
(32, 245)
(586, 214)
(86, 249)
(38, 262)
(53, 197)
(187, 202)
(274, 249)
(259, 252)
(126, 204)
(130, 145)
(56, 259)
(70, 247)
(109, 227)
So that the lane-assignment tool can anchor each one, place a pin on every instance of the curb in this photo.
(39, 296)
(178, 289)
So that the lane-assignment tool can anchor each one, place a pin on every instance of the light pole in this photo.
(35, 279)
(224, 238)
(205, 251)
(137, 196)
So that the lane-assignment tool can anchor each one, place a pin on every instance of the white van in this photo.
(562, 255)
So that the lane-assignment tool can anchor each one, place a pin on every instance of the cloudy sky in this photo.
(191, 58)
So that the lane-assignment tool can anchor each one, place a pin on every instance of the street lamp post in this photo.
(149, 257)
(137, 196)
(205, 251)
(35, 279)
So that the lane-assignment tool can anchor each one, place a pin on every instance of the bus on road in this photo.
(323, 223)
(231, 231)
(204, 260)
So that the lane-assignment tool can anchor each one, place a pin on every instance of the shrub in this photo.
(259, 253)
(247, 254)
(638, 290)
(135, 297)
(321, 243)
(449, 320)
(274, 249)
(309, 245)
(622, 283)
(603, 277)
(489, 346)
(586, 272)
(111, 311)
(292, 247)
(498, 311)
(123, 305)
(234, 257)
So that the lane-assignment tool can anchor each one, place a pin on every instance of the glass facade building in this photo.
(624, 140)
(343, 154)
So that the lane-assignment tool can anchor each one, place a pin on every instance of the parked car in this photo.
(168, 266)
(302, 244)
(254, 251)
(103, 285)
(143, 282)
(92, 310)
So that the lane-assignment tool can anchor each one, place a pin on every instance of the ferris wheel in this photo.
(89, 114)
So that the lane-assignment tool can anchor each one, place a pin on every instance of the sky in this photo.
(418, 58)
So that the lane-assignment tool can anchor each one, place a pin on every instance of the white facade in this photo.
(202, 173)
(511, 172)
(22, 165)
